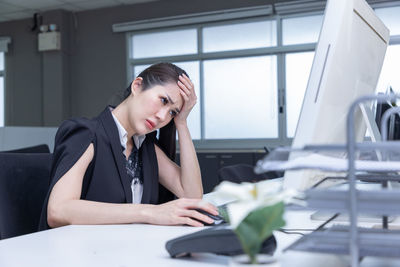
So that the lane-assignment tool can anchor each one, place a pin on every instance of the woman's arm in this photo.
(66, 207)
(186, 180)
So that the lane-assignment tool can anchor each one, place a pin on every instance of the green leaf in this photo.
(258, 226)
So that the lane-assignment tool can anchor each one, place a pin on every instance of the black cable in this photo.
(37, 21)
(296, 230)
(291, 233)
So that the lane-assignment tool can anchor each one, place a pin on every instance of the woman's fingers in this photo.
(200, 204)
(209, 208)
(186, 81)
(184, 95)
(191, 222)
(187, 86)
(198, 216)
(184, 88)
(188, 94)
(188, 212)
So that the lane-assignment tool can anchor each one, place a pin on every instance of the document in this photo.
(327, 163)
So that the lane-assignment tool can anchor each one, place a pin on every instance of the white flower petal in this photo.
(239, 210)
(251, 196)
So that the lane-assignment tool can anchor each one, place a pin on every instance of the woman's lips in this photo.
(150, 124)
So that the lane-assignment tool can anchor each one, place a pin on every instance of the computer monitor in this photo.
(347, 65)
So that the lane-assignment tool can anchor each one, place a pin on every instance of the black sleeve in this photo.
(72, 139)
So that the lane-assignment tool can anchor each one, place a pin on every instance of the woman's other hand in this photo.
(189, 97)
(181, 212)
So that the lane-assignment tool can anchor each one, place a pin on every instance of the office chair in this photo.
(32, 149)
(244, 173)
(24, 181)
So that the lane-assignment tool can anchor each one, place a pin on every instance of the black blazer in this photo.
(106, 179)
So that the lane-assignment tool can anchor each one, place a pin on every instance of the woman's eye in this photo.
(164, 100)
(172, 113)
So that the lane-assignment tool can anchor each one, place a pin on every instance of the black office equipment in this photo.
(24, 181)
(394, 122)
(32, 149)
(220, 240)
(239, 173)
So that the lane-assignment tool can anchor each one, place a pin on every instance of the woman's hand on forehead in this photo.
(186, 89)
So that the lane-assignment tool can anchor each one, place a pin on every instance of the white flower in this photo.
(250, 196)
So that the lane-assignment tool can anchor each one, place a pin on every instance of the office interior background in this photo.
(249, 61)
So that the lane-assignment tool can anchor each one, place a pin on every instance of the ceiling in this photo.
(20, 9)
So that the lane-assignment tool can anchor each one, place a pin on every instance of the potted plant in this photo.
(256, 212)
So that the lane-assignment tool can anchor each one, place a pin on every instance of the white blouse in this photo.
(136, 187)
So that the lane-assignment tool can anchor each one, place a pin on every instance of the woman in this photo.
(107, 170)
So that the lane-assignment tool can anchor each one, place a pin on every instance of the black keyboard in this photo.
(220, 240)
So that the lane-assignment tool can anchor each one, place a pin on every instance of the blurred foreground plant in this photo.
(256, 212)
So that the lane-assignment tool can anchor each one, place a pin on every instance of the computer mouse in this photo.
(217, 219)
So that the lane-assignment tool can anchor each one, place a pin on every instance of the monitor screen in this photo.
(347, 65)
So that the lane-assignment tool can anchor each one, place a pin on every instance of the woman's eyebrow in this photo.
(172, 102)
(169, 99)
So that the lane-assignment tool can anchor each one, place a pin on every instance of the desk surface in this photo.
(144, 245)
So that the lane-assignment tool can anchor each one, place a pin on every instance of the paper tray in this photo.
(335, 240)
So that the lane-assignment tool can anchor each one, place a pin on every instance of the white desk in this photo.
(144, 245)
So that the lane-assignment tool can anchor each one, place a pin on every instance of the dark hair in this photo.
(158, 74)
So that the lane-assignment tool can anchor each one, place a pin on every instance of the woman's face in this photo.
(154, 107)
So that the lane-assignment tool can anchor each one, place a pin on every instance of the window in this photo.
(298, 67)
(230, 37)
(2, 89)
(390, 16)
(237, 67)
(296, 31)
(179, 42)
(389, 74)
(247, 98)
(299, 30)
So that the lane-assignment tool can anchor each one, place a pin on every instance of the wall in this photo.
(42, 89)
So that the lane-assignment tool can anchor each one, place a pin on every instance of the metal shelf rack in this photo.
(352, 239)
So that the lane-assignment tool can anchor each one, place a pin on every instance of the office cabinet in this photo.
(211, 162)
(209, 165)
(227, 159)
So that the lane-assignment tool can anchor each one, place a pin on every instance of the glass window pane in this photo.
(138, 69)
(390, 70)
(240, 98)
(1, 101)
(301, 30)
(169, 43)
(1, 61)
(390, 16)
(193, 69)
(231, 37)
(298, 67)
